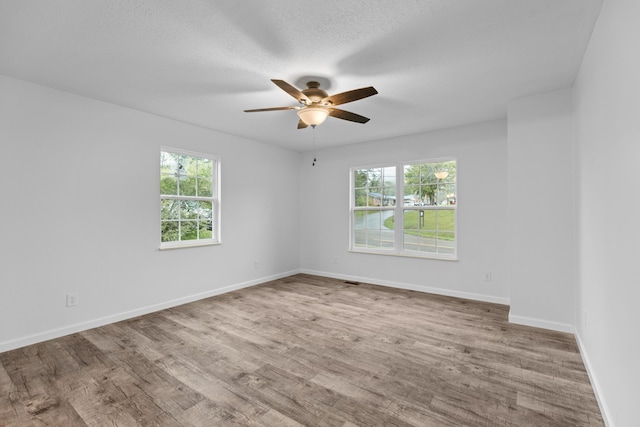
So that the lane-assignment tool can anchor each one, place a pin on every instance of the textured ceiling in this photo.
(435, 63)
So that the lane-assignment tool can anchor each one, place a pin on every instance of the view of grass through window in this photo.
(418, 200)
(426, 224)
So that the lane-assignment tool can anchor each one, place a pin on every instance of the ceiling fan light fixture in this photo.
(317, 105)
(313, 116)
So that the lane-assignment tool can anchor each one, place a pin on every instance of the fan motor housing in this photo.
(314, 93)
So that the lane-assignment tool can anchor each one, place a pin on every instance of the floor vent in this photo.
(349, 282)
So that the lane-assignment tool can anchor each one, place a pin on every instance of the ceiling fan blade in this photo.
(270, 109)
(293, 91)
(350, 95)
(347, 115)
(302, 125)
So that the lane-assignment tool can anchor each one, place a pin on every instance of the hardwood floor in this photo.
(304, 350)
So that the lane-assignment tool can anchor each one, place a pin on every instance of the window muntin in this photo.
(426, 214)
(189, 199)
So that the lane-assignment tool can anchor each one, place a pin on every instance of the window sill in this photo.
(407, 255)
(188, 245)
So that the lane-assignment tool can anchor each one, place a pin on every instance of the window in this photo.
(405, 209)
(189, 199)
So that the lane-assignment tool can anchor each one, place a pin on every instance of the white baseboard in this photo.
(604, 409)
(94, 323)
(544, 324)
(411, 287)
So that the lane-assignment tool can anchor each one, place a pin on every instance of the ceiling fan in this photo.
(317, 104)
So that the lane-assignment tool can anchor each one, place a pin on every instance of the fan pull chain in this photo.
(314, 145)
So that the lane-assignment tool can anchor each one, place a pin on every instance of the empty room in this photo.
(337, 213)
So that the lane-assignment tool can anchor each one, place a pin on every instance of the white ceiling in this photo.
(435, 63)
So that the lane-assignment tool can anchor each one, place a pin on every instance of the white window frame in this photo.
(215, 200)
(399, 209)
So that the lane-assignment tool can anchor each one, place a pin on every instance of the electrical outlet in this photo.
(72, 299)
(487, 277)
(256, 265)
(335, 261)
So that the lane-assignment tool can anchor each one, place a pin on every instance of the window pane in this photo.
(360, 228)
(188, 230)
(427, 245)
(412, 219)
(446, 219)
(445, 172)
(375, 197)
(447, 194)
(441, 195)
(168, 185)
(205, 168)
(206, 230)
(389, 176)
(360, 178)
(168, 163)
(374, 229)
(361, 197)
(389, 196)
(429, 230)
(189, 209)
(410, 177)
(187, 186)
(387, 235)
(169, 231)
(187, 166)
(374, 177)
(430, 182)
(205, 210)
(429, 223)
(445, 247)
(420, 230)
(410, 195)
(204, 187)
(428, 194)
(169, 209)
(446, 242)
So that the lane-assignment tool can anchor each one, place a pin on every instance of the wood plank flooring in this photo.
(304, 350)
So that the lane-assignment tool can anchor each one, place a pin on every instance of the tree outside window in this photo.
(189, 198)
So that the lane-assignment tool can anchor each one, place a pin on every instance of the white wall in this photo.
(80, 213)
(481, 151)
(541, 232)
(607, 102)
